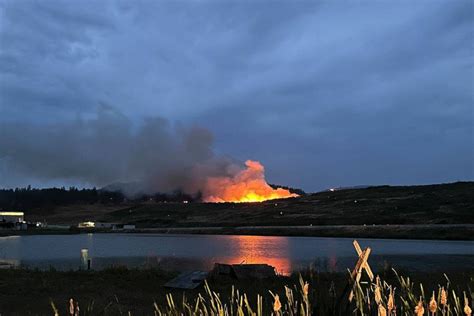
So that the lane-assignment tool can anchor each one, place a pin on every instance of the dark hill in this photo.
(441, 211)
(428, 204)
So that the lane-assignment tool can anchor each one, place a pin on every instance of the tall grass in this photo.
(394, 295)
(296, 302)
(402, 297)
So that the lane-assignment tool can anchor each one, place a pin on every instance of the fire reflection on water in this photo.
(255, 249)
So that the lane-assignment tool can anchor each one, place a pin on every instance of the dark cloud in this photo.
(324, 94)
(155, 156)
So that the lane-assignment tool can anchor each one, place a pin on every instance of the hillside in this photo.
(417, 205)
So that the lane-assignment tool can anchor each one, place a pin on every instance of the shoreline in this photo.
(424, 232)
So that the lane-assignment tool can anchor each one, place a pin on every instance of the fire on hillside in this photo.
(246, 185)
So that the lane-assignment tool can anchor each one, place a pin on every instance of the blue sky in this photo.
(323, 93)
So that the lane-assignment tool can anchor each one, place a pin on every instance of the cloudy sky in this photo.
(324, 94)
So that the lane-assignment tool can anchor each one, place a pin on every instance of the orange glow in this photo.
(247, 185)
(254, 249)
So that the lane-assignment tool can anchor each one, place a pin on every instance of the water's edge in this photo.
(202, 251)
(419, 232)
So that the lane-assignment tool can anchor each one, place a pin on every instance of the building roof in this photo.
(12, 214)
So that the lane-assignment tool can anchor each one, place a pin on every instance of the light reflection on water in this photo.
(256, 249)
(186, 252)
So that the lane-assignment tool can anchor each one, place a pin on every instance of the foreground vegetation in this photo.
(120, 291)
(378, 298)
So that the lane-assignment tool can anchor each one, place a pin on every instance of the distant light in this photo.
(332, 190)
(12, 214)
(86, 224)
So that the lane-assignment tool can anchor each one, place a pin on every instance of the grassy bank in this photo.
(117, 291)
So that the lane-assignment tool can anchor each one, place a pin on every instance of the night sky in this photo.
(323, 94)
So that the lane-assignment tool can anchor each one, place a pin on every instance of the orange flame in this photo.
(247, 185)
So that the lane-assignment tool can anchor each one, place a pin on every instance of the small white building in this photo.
(12, 220)
(12, 217)
(123, 227)
(86, 225)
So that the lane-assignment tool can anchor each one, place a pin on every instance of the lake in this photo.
(187, 252)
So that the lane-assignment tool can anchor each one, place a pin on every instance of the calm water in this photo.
(183, 252)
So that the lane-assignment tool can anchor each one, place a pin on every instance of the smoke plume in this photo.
(156, 156)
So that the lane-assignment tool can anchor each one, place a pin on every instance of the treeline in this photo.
(27, 198)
